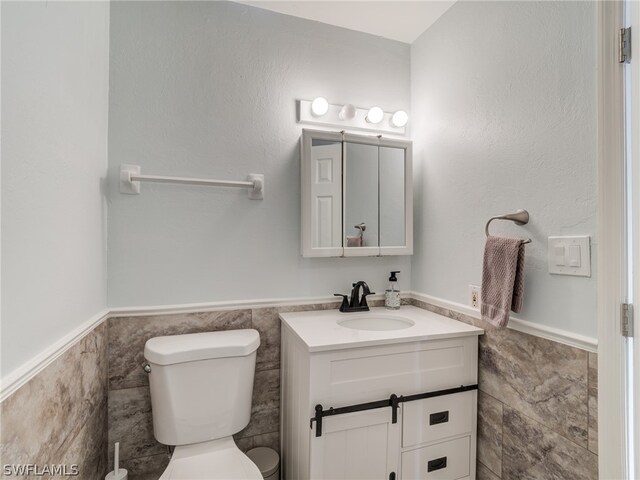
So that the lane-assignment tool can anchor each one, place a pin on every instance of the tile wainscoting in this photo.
(537, 413)
(59, 417)
(537, 406)
(130, 420)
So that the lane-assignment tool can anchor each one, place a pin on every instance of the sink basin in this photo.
(376, 322)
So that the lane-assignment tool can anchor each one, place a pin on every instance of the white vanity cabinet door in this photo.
(356, 446)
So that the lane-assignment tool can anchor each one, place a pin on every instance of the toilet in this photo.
(201, 389)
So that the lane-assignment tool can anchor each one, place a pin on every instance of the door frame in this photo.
(611, 245)
(633, 20)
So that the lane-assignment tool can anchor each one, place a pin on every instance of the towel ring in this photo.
(519, 217)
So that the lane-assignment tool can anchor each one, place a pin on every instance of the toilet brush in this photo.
(117, 473)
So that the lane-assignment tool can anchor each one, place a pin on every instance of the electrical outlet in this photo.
(474, 296)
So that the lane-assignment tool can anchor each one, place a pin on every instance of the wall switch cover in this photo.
(558, 252)
(574, 255)
(570, 256)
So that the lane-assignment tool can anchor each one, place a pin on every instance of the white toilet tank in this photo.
(201, 384)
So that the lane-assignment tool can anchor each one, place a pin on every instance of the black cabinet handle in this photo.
(392, 476)
(439, 417)
(437, 464)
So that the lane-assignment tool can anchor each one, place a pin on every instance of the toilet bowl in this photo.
(218, 459)
(201, 389)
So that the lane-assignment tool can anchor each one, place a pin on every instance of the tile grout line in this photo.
(502, 446)
(588, 407)
(478, 462)
(501, 432)
(550, 429)
(589, 386)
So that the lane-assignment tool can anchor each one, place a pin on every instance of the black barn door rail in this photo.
(393, 401)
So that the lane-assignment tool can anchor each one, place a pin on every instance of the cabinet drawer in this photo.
(360, 375)
(437, 418)
(442, 461)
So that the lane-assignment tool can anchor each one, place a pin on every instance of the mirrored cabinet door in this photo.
(360, 196)
(396, 212)
(322, 195)
(357, 198)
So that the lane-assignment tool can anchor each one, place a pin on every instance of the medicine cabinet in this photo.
(357, 197)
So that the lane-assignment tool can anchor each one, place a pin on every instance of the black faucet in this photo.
(358, 303)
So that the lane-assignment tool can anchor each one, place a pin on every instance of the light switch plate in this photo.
(558, 253)
(570, 246)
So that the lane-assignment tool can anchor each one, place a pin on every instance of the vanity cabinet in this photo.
(360, 445)
(431, 438)
(357, 197)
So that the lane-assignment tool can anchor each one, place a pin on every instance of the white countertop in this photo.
(320, 331)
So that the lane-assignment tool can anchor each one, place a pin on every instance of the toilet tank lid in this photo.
(201, 346)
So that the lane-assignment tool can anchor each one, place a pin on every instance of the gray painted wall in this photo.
(55, 61)
(501, 118)
(504, 117)
(208, 89)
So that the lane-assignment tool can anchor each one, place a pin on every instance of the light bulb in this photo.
(375, 115)
(399, 119)
(319, 106)
(348, 112)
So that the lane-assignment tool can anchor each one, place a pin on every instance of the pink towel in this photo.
(502, 279)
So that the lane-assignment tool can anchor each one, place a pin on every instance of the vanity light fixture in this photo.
(319, 106)
(375, 115)
(399, 119)
(347, 112)
(347, 116)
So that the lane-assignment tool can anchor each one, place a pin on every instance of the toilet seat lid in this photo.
(225, 464)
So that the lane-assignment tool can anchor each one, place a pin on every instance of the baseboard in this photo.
(17, 378)
(14, 380)
(550, 333)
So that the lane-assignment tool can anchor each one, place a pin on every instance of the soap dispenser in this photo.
(392, 294)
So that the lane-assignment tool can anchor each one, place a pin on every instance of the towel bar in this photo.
(130, 179)
(519, 217)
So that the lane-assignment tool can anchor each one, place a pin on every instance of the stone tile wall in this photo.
(130, 420)
(60, 416)
(537, 406)
(537, 414)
